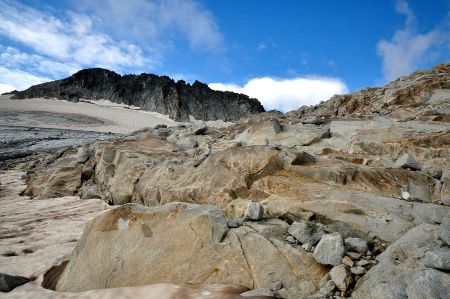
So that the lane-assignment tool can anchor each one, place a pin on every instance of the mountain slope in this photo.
(149, 92)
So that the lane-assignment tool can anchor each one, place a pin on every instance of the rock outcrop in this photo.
(326, 201)
(178, 100)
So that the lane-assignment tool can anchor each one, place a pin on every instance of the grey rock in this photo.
(186, 143)
(276, 285)
(407, 161)
(90, 191)
(83, 154)
(444, 230)
(327, 289)
(258, 292)
(341, 277)
(419, 192)
(254, 211)
(438, 259)
(362, 263)
(291, 240)
(234, 223)
(358, 270)
(312, 120)
(9, 282)
(356, 244)
(306, 232)
(178, 100)
(329, 250)
(429, 284)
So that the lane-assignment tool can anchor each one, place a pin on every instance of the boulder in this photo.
(306, 232)
(438, 259)
(10, 282)
(407, 161)
(429, 284)
(210, 252)
(329, 250)
(254, 211)
(356, 244)
(341, 277)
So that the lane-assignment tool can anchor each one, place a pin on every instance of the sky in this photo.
(285, 53)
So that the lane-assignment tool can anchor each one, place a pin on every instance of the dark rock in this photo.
(9, 282)
(149, 92)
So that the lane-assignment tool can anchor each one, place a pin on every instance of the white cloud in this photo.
(6, 88)
(156, 21)
(66, 39)
(408, 50)
(287, 94)
(18, 79)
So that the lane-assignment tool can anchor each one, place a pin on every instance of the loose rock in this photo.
(356, 244)
(341, 277)
(254, 211)
(306, 232)
(330, 250)
(407, 161)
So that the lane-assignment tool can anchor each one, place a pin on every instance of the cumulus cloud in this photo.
(152, 20)
(408, 49)
(11, 79)
(287, 94)
(66, 39)
(6, 88)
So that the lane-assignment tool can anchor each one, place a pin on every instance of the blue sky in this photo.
(285, 53)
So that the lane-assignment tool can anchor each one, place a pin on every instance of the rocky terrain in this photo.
(350, 198)
(178, 100)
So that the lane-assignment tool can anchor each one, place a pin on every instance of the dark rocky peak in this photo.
(150, 92)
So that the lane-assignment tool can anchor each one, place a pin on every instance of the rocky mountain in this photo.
(350, 198)
(178, 100)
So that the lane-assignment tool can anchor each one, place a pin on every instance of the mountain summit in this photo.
(150, 92)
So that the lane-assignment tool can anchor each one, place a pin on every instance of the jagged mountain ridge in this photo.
(150, 92)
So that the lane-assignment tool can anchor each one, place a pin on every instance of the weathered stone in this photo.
(306, 232)
(186, 143)
(210, 253)
(234, 223)
(9, 282)
(327, 289)
(258, 292)
(313, 120)
(356, 244)
(407, 161)
(341, 277)
(329, 250)
(354, 255)
(254, 211)
(438, 259)
(430, 284)
(347, 261)
(444, 230)
(358, 270)
(291, 239)
(90, 191)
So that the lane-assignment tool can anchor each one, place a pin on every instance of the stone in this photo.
(306, 232)
(313, 120)
(341, 277)
(329, 250)
(327, 289)
(83, 154)
(276, 285)
(10, 282)
(307, 246)
(362, 263)
(347, 261)
(358, 270)
(186, 143)
(254, 211)
(356, 244)
(291, 240)
(444, 230)
(354, 255)
(211, 253)
(234, 223)
(199, 128)
(407, 161)
(406, 195)
(258, 292)
(90, 191)
(438, 259)
(430, 284)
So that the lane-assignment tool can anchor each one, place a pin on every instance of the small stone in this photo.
(362, 263)
(341, 277)
(438, 259)
(276, 285)
(307, 247)
(9, 282)
(330, 250)
(356, 244)
(347, 261)
(327, 289)
(444, 230)
(407, 161)
(234, 223)
(354, 255)
(358, 270)
(291, 240)
(406, 195)
(306, 232)
(258, 292)
(254, 211)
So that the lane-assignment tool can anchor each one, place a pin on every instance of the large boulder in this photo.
(181, 243)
